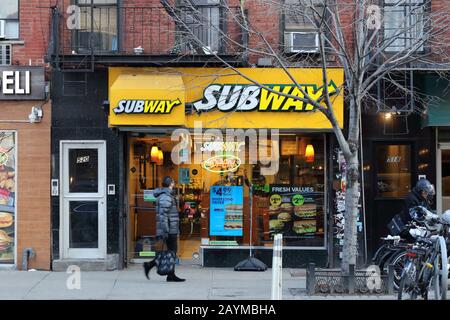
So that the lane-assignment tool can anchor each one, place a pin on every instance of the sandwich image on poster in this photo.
(233, 217)
(306, 210)
(305, 226)
(226, 211)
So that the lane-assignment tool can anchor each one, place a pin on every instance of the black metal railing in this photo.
(153, 30)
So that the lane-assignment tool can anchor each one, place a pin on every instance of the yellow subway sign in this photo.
(268, 97)
(222, 98)
(146, 106)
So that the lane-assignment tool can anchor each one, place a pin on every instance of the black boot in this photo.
(147, 267)
(173, 278)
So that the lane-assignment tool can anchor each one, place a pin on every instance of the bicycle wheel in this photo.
(407, 287)
(378, 256)
(398, 262)
(440, 269)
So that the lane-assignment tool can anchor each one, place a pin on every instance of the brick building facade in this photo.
(25, 146)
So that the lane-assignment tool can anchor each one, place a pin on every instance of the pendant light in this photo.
(160, 157)
(309, 153)
(154, 153)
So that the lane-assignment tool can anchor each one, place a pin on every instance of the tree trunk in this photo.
(350, 247)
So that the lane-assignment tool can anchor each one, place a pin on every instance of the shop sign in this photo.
(227, 98)
(226, 210)
(146, 106)
(22, 83)
(217, 146)
(293, 210)
(7, 197)
(222, 163)
(185, 96)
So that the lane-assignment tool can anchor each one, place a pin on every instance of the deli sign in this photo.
(22, 83)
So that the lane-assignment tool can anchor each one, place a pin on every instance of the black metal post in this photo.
(390, 284)
(311, 278)
(351, 279)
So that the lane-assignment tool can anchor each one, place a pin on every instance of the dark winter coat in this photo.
(167, 218)
(413, 199)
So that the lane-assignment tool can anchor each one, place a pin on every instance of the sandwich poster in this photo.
(293, 210)
(226, 211)
(7, 196)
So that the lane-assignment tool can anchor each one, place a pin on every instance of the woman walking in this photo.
(167, 222)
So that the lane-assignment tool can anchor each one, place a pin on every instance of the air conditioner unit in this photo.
(2, 29)
(302, 41)
(5, 54)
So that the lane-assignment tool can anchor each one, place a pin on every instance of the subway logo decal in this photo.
(231, 97)
(146, 106)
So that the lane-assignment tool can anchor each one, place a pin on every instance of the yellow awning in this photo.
(220, 98)
(146, 98)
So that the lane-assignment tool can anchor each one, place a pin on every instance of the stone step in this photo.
(108, 264)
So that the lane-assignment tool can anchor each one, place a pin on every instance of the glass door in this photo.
(83, 214)
(443, 177)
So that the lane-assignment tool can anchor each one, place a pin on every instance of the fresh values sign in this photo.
(294, 210)
(226, 211)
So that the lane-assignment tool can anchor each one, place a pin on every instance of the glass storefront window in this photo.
(215, 203)
(294, 202)
(393, 170)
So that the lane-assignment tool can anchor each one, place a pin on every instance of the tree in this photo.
(370, 43)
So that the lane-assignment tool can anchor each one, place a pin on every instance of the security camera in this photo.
(35, 115)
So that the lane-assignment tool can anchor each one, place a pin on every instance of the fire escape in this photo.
(89, 36)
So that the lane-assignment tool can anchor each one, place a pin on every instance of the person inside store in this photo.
(417, 207)
(167, 223)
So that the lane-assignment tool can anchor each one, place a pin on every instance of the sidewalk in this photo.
(201, 284)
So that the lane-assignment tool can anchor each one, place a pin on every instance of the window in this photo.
(403, 24)
(393, 175)
(9, 19)
(294, 199)
(300, 26)
(5, 54)
(98, 26)
(203, 18)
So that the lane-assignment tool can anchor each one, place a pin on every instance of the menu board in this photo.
(226, 211)
(289, 148)
(7, 196)
(294, 210)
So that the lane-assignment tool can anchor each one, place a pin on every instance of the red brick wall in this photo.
(34, 31)
(32, 179)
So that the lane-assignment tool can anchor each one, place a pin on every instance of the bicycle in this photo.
(426, 267)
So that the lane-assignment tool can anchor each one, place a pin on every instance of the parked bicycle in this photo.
(394, 249)
(426, 268)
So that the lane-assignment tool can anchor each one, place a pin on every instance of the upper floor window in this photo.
(300, 28)
(9, 19)
(403, 24)
(98, 26)
(204, 26)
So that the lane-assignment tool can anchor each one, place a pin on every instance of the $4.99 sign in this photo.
(226, 210)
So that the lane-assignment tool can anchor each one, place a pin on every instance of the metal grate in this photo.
(5, 54)
(360, 282)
